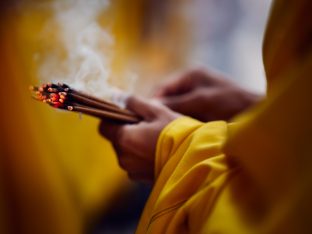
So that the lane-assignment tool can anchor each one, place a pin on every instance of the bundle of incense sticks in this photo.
(61, 96)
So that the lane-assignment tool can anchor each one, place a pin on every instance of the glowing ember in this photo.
(53, 94)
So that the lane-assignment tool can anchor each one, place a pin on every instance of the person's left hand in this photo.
(135, 144)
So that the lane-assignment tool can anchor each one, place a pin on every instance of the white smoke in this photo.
(84, 59)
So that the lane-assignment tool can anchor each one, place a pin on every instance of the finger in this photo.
(167, 88)
(179, 103)
(110, 130)
(175, 85)
(124, 138)
(145, 109)
(186, 82)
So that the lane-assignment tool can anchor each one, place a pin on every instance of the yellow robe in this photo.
(253, 175)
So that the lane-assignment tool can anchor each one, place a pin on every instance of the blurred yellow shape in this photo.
(56, 170)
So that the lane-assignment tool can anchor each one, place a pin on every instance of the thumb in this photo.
(142, 107)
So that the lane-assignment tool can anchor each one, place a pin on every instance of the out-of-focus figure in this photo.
(250, 175)
(56, 173)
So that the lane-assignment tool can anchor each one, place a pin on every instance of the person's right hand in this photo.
(205, 95)
(135, 144)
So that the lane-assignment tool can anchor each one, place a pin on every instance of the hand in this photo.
(135, 144)
(205, 95)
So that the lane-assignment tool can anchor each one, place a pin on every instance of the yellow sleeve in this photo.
(188, 157)
(171, 138)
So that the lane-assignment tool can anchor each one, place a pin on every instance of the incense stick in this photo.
(61, 96)
(100, 105)
(103, 114)
(93, 98)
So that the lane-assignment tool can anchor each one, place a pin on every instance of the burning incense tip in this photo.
(52, 90)
(70, 108)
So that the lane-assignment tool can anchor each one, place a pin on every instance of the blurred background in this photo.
(57, 175)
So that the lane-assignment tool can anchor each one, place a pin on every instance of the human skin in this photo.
(198, 93)
(135, 144)
(205, 95)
